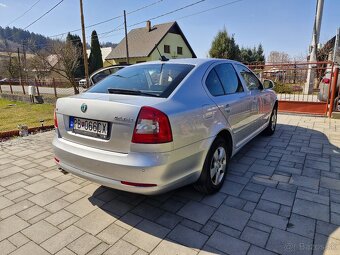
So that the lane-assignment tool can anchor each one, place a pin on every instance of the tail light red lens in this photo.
(152, 127)
(326, 80)
(55, 120)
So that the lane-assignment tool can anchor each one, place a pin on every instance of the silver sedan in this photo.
(156, 126)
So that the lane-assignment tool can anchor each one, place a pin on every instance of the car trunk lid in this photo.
(120, 112)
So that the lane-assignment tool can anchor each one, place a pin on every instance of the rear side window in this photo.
(213, 84)
(101, 75)
(156, 79)
(229, 79)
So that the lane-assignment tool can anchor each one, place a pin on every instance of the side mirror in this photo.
(268, 84)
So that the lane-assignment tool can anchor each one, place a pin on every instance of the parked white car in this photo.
(100, 74)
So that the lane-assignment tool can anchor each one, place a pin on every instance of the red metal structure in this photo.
(290, 79)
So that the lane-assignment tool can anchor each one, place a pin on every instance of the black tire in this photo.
(205, 183)
(270, 129)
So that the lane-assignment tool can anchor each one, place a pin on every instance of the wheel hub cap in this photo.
(218, 165)
(274, 119)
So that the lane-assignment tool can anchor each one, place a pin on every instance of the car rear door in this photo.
(226, 90)
(258, 98)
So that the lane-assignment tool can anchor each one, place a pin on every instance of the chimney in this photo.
(148, 25)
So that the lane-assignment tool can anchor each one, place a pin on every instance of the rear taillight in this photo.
(326, 80)
(152, 126)
(55, 120)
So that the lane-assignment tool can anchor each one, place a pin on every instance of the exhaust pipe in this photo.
(62, 170)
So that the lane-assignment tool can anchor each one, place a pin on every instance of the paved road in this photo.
(281, 196)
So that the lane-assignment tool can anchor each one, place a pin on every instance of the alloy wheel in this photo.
(218, 165)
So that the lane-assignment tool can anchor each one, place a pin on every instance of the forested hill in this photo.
(16, 36)
(12, 38)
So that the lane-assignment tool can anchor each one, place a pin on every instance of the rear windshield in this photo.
(153, 79)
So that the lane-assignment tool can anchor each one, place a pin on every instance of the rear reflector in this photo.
(138, 184)
(55, 120)
(56, 160)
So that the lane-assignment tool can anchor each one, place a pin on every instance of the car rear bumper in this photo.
(167, 170)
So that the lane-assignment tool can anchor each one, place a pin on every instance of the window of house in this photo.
(179, 50)
(167, 49)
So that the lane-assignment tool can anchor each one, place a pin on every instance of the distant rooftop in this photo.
(142, 41)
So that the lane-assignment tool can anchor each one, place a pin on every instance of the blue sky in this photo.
(282, 25)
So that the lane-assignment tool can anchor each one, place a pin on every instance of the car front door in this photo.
(227, 92)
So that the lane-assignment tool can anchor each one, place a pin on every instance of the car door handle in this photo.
(227, 108)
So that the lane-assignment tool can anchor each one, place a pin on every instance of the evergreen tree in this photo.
(76, 42)
(260, 54)
(224, 46)
(95, 59)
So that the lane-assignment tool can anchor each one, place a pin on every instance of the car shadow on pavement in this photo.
(281, 195)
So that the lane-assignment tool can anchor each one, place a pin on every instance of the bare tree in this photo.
(11, 65)
(38, 67)
(278, 57)
(60, 57)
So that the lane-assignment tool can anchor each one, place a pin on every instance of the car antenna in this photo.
(163, 58)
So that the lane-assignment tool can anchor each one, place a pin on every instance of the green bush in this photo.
(283, 88)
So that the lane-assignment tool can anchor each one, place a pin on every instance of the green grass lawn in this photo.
(24, 113)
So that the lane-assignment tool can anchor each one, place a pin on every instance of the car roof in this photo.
(191, 61)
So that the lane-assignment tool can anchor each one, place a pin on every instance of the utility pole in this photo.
(126, 40)
(336, 45)
(25, 62)
(86, 65)
(308, 89)
(20, 74)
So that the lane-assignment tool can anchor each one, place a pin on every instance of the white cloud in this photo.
(3, 5)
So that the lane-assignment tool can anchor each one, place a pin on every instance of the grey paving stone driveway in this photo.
(281, 196)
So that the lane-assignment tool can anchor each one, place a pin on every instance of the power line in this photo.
(55, 6)
(210, 9)
(170, 12)
(118, 28)
(110, 19)
(144, 7)
(136, 10)
(22, 15)
(36, 20)
(179, 9)
(159, 16)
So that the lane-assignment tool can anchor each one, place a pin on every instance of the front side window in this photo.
(249, 78)
(154, 79)
(167, 49)
(229, 79)
(213, 84)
